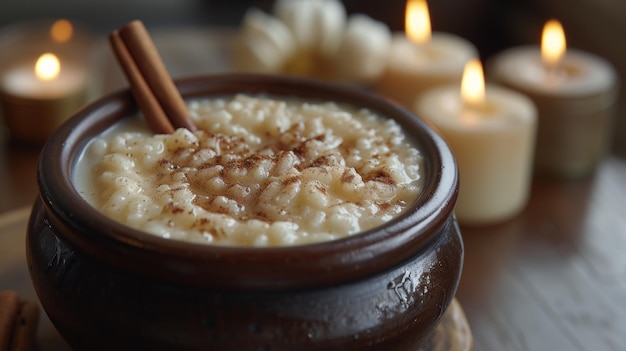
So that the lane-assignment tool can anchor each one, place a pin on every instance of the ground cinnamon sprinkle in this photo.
(379, 175)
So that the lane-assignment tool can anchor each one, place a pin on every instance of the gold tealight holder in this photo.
(43, 78)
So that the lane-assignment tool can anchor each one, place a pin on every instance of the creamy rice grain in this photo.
(259, 172)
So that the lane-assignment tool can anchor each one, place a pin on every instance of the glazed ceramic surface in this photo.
(105, 285)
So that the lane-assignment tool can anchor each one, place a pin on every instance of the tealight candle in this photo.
(44, 80)
(38, 93)
(491, 131)
(421, 60)
(575, 94)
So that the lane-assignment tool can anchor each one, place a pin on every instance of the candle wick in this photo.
(476, 106)
(471, 113)
(554, 72)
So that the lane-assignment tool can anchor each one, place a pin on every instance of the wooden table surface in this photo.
(553, 278)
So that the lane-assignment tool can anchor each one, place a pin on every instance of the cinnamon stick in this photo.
(153, 88)
(9, 307)
(155, 116)
(25, 327)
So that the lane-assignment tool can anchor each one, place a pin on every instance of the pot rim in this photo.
(87, 230)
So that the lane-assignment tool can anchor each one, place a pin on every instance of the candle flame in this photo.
(473, 84)
(47, 67)
(553, 43)
(417, 21)
(61, 31)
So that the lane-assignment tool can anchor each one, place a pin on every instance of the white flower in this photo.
(313, 38)
(315, 24)
(363, 51)
(265, 43)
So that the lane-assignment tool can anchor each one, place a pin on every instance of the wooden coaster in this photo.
(18, 324)
(452, 334)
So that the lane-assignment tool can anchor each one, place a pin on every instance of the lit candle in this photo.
(491, 131)
(575, 94)
(37, 96)
(46, 80)
(420, 59)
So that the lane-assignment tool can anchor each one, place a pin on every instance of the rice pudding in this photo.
(259, 172)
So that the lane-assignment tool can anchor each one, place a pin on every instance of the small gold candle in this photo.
(42, 85)
(575, 94)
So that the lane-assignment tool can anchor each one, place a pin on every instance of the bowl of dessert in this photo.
(299, 215)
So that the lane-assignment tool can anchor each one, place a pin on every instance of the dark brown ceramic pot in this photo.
(105, 285)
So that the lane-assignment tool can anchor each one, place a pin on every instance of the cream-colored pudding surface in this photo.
(259, 172)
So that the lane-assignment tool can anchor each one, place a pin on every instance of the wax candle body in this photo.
(32, 108)
(412, 69)
(493, 146)
(575, 102)
(23, 82)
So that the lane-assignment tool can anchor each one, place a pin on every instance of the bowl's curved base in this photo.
(97, 307)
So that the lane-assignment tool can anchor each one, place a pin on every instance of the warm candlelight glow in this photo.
(47, 67)
(417, 21)
(473, 84)
(552, 42)
(61, 31)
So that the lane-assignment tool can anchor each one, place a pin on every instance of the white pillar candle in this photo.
(491, 133)
(575, 93)
(420, 60)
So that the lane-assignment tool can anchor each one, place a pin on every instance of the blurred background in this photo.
(550, 279)
(492, 25)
